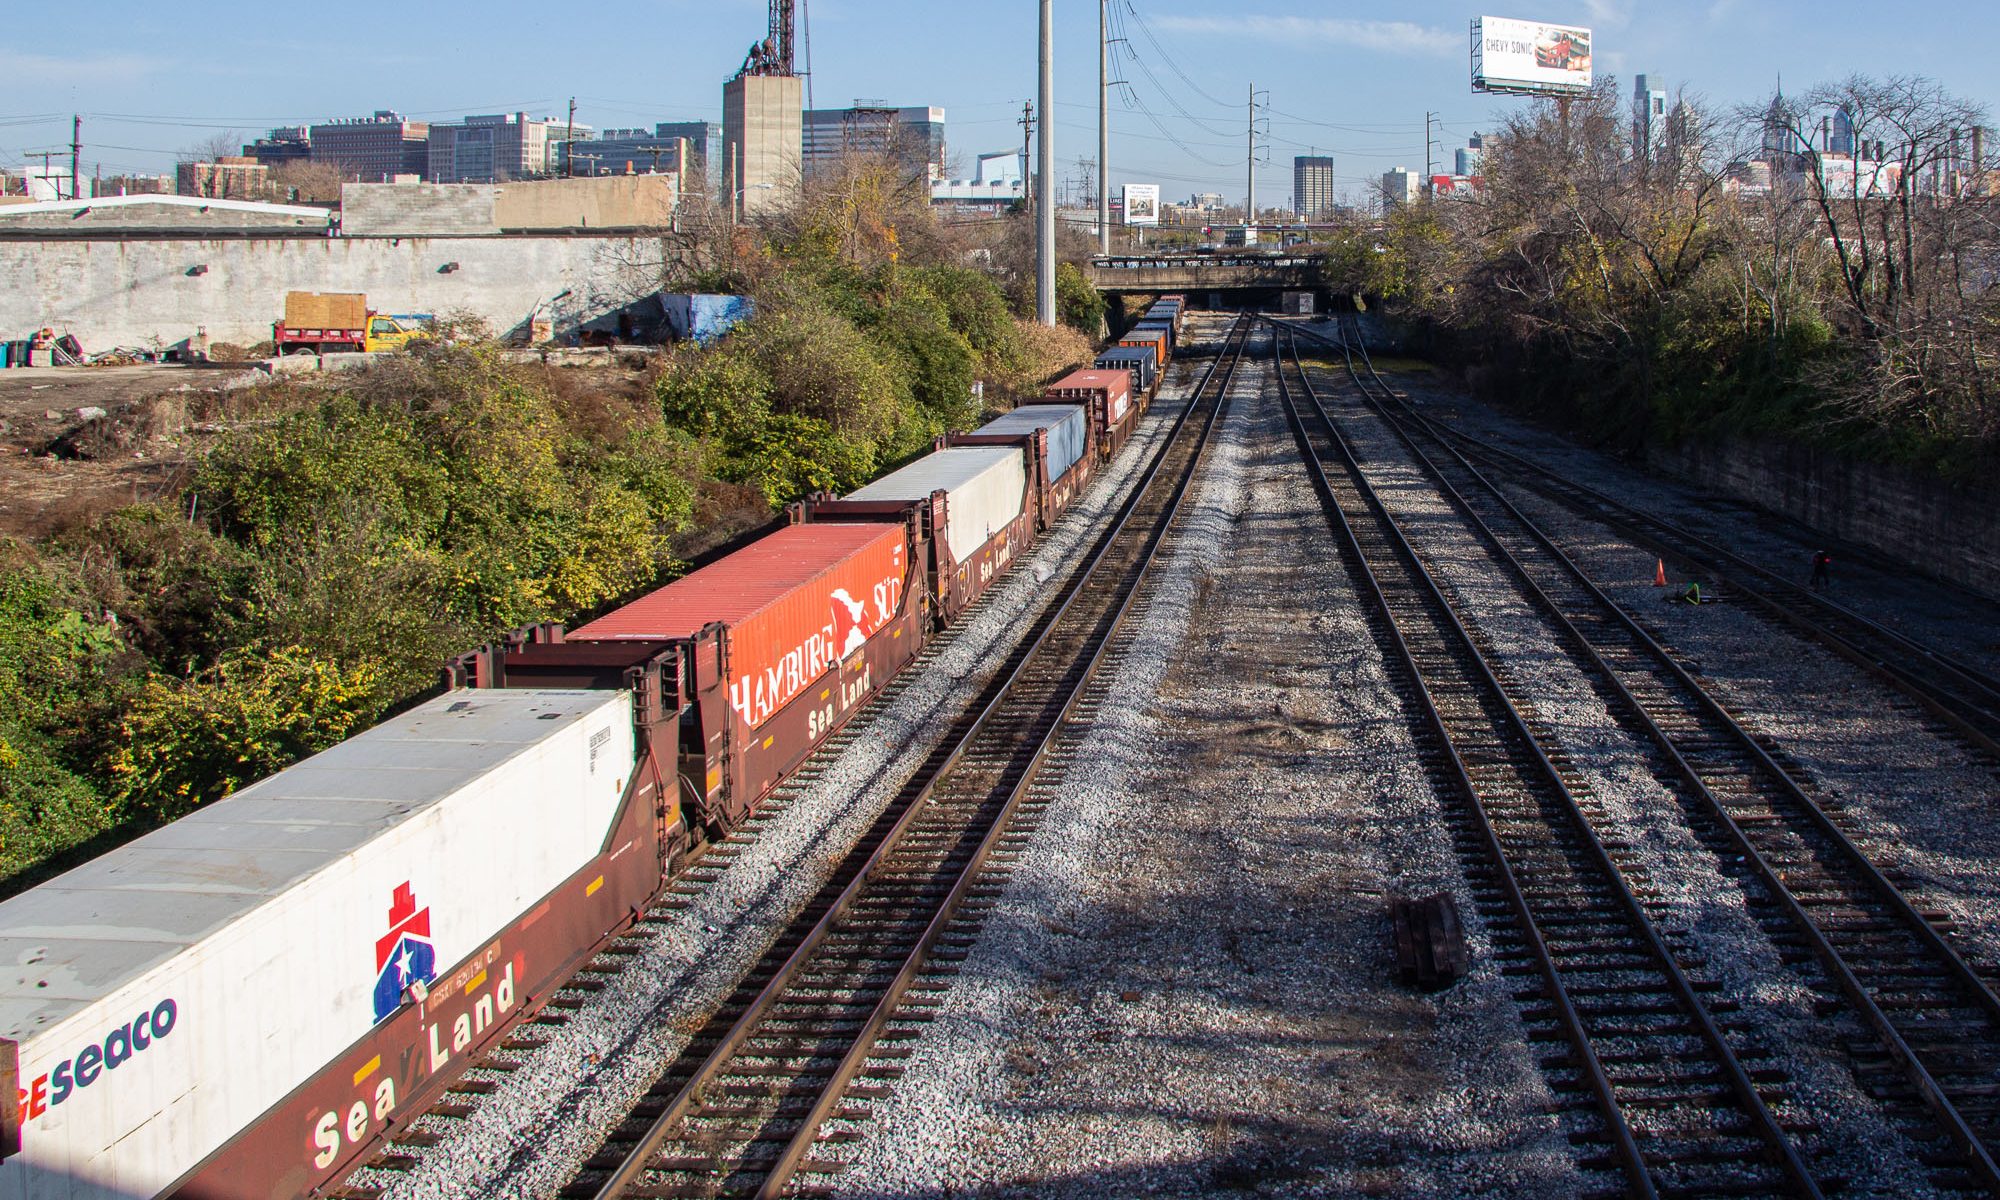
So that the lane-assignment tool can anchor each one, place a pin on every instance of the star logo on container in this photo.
(847, 615)
(404, 955)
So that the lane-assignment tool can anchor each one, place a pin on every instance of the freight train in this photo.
(247, 1002)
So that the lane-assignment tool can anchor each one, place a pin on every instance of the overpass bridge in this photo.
(1120, 275)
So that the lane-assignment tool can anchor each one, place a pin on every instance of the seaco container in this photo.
(985, 487)
(263, 986)
(1068, 428)
(796, 604)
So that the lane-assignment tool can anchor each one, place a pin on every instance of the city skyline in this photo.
(1356, 89)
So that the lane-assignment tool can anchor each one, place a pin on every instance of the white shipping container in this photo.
(986, 488)
(224, 960)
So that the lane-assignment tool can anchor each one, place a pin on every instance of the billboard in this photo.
(1529, 57)
(1142, 204)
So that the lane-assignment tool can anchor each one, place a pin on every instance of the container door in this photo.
(708, 668)
(10, 1099)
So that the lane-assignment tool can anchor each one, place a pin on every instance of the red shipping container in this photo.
(796, 603)
(1113, 387)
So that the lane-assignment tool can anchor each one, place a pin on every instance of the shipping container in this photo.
(1141, 361)
(1153, 338)
(1109, 396)
(779, 643)
(1161, 325)
(972, 505)
(242, 1002)
(1058, 437)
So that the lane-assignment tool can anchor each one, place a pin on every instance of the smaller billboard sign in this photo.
(1529, 57)
(1142, 204)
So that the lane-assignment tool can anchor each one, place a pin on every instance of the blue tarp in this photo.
(702, 317)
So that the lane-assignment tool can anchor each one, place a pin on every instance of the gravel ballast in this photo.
(1187, 986)
(1683, 882)
(549, 1113)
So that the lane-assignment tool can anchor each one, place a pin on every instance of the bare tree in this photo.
(214, 147)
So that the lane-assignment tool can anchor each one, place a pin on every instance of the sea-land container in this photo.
(1058, 436)
(973, 506)
(262, 988)
(806, 624)
(1108, 394)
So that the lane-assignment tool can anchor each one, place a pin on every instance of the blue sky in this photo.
(153, 78)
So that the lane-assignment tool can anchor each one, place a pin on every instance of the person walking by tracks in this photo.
(1822, 573)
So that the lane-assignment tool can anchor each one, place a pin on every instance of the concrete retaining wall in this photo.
(1951, 533)
(146, 292)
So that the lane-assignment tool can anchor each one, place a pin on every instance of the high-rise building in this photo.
(762, 139)
(1312, 186)
(373, 149)
(1401, 186)
(495, 149)
(1840, 134)
(1649, 116)
(913, 135)
(1470, 159)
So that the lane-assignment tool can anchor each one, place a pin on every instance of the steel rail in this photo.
(1967, 699)
(637, 1163)
(1631, 1156)
(1861, 870)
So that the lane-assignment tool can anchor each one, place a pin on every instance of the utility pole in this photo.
(1430, 119)
(1103, 127)
(1028, 153)
(569, 142)
(1250, 190)
(1045, 169)
(76, 156)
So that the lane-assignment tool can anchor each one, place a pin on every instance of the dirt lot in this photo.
(56, 465)
(61, 463)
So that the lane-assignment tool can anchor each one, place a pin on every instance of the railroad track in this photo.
(700, 868)
(1935, 1020)
(815, 1031)
(1660, 1090)
(1961, 697)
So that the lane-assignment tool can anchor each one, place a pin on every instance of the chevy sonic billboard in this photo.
(1529, 56)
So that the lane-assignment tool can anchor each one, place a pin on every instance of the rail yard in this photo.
(1245, 770)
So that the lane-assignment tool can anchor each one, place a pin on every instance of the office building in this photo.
(1401, 186)
(231, 177)
(1312, 186)
(373, 149)
(1470, 159)
(1840, 132)
(915, 136)
(704, 139)
(287, 144)
(624, 152)
(762, 118)
(1649, 116)
(496, 149)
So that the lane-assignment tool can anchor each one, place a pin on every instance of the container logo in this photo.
(404, 955)
(848, 615)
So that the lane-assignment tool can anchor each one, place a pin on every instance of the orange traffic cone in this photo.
(1660, 574)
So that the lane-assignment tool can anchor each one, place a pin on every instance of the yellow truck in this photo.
(342, 323)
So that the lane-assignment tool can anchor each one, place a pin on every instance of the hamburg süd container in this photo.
(261, 988)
